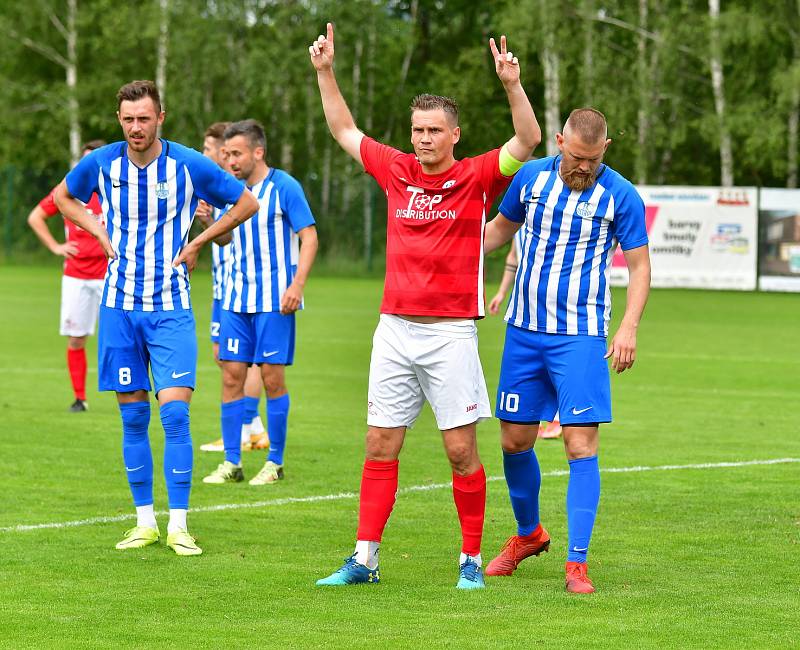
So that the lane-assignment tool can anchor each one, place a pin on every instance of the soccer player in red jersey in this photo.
(85, 266)
(425, 345)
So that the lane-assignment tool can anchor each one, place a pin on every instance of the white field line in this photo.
(21, 528)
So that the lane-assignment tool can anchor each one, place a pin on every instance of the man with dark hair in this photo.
(573, 210)
(253, 434)
(271, 259)
(425, 345)
(81, 284)
(149, 189)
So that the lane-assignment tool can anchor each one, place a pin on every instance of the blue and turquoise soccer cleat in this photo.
(470, 576)
(351, 573)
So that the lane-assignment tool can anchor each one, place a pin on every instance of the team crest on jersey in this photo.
(448, 184)
(585, 209)
(162, 191)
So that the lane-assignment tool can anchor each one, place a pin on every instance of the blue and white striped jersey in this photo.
(266, 248)
(148, 213)
(568, 240)
(220, 263)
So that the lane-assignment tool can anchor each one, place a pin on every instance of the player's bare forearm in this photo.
(36, 220)
(498, 232)
(241, 211)
(205, 216)
(309, 245)
(622, 349)
(527, 134)
(337, 115)
(638, 261)
(74, 210)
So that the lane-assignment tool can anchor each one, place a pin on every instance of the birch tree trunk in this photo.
(550, 63)
(73, 107)
(640, 167)
(163, 45)
(356, 110)
(588, 53)
(287, 148)
(403, 72)
(718, 86)
(366, 181)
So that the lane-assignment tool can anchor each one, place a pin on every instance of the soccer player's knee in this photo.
(232, 380)
(175, 420)
(460, 454)
(274, 386)
(135, 420)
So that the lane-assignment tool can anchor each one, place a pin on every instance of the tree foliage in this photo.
(645, 64)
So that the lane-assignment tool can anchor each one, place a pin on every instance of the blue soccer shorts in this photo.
(131, 341)
(544, 374)
(216, 315)
(265, 337)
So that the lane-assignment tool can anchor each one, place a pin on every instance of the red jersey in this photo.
(90, 262)
(434, 235)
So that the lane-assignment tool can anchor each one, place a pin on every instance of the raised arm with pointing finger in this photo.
(527, 133)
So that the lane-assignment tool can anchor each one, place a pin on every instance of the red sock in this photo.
(378, 493)
(469, 493)
(76, 362)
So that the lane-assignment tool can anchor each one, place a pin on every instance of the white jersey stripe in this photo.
(554, 277)
(133, 233)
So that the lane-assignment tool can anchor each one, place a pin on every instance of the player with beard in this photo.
(149, 189)
(573, 210)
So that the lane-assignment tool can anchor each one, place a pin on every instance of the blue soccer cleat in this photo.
(351, 573)
(470, 576)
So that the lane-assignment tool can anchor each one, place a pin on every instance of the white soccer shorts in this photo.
(412, 362)
(80, 302)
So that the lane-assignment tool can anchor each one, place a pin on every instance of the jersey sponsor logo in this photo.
(448, 184)
(116, 185)
(421, 206)
(472, 407)
(577, 412)
(585, 209)
(425, 202)
(178, 375)
(270, 354)
(162, 191)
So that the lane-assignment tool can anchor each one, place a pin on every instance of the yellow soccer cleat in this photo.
(226, 472)
(183, 543)
(269, 474)
(138, 537)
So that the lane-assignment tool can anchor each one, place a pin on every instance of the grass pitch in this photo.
(682, 557)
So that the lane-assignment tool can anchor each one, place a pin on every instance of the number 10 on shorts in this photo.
(509, 402)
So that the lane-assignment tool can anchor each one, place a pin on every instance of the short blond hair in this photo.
(588, 124)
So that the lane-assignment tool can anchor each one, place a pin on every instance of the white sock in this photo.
(246, 432)
(367, 553)
(145, 516)
(475, 558)
(177, 520)
(257, 426)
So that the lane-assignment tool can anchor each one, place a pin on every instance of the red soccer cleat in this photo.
(577, 580)
(516, 549)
